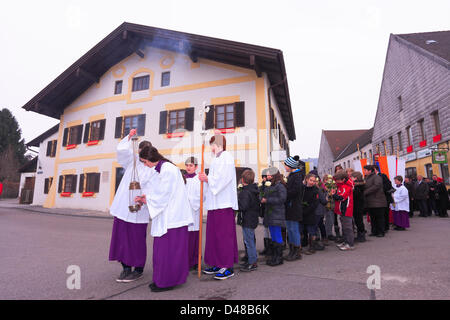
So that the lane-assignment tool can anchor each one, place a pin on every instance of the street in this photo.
(36, 250)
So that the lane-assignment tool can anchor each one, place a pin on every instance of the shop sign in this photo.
(439, 157)
(424, 153)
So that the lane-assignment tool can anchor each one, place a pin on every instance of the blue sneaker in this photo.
(212, 270)
(224, 273)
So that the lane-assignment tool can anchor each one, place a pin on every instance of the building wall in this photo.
(424, 87)
(191, 85)
(325, 162)
(344, 162)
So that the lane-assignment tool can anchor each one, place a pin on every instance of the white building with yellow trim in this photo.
(157, 81)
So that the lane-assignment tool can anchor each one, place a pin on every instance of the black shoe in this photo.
(331, 238)
(133, 276)
(154, 288)
(360, 238)
(125, 273)
(249, 267)
(380, 235)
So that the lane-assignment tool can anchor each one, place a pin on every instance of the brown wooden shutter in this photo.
(189, 119)
(79, 134)
(86, 132)
(102, 129)
(66, 133)
(119, 124)
(54, 145)
(239, 112)
(74, 183)
(96, 182)
(210, 116)
(81, 188)
(49, 148)
(46, 186)
(163, 122)
(60, 184)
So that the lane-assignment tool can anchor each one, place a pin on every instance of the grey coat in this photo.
(373, 192)
(275, 211)
(321, 208)
(421, 190)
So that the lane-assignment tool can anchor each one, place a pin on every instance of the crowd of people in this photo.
(299, 212)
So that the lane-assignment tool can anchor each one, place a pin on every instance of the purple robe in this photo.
(128, 243)
(221, 249)
(401, 218)
(170, 258)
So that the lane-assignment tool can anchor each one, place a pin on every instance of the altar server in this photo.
(193, 193)
(129, 234)
(400, 207)
(221, 250)
(168, 206)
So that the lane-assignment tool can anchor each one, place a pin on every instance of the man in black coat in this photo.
(387, 189)
(421, 191)
(410, 186)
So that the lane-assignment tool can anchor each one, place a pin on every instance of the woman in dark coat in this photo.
(442, 193)
(274, 198)
(310, 201)
(358, 205)
(294, 208)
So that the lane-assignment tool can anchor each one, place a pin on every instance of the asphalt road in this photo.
(36, 249)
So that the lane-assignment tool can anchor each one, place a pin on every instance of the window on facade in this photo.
(400, 144)
(51, 148)
(165, 79)
(73, 135)
(225, 116)
(400, 103)
(141, 83)
(47, 184)
(69, 183)
(176, 120)
(411, 172)
(409, 135)
(90, 182)
(437, 125)
(429, 170)
(95, 131)
(118, 87)
(421, 130)
(129, 123)
(444, 172)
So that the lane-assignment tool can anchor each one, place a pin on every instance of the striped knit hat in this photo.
(292, 162)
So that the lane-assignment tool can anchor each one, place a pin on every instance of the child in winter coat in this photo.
(249, 207)
(310, 202)
(274, 198)
(343, 206)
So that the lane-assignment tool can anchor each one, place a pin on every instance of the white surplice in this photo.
(221, 189)
(168, 204)
(193, 193)
(119, 207)
(401, 199)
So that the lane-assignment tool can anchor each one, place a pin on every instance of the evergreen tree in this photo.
(12, 147)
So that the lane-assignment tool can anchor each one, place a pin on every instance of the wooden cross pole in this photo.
(385, 148)
(202, 169)
(359, 151)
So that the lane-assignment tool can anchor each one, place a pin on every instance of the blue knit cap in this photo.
(292, 162)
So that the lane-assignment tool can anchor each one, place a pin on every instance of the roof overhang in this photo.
(129, 38)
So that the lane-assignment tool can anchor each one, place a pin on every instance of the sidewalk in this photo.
(14, 204)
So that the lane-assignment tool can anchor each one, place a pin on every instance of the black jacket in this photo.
(421, 190)
(387, 187)
(294, 208)
(358, 199)
(310, 203)
(249, 205)
(275, 211)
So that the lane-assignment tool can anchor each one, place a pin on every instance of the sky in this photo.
(334, 51)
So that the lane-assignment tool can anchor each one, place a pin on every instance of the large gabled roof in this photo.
(339, 139)
(128, 38)
(435, 45)
(361, 141)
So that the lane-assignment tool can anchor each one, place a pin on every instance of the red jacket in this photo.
(343, 199)
(1, 188)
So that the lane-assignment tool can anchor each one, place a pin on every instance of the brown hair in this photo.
(219, 140)
(144, 144)
(399, 178)
(278, 177)
(358, 175)
(309, 175)
(337, 168)
(248, 176)
(340, 175)
(369, 167)
(151, 154)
